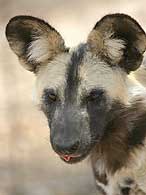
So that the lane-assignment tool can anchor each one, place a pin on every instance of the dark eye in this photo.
(95, 95)
(49, 96)
(52, 97)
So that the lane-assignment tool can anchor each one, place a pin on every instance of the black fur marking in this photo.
(128, 182)
(125, 191)
(21, 31)
(125, 131)
(101, 190)
(97, 110)
(138, 133)
(48, 107)
(127, 29)
(119, 16)
(72, 75)
(126, 32)
(101, 178)
(25, 17)
(113, 144)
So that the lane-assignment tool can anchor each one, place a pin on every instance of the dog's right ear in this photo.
(34, 41)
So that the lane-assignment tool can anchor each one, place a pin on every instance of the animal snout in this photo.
(66, 148)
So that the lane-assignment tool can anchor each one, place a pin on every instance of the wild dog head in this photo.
(78, 88)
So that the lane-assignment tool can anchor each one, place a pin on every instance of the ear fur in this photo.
(33, 40)
(119, 40)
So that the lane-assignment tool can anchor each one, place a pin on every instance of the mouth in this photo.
(80, 155)
(70, 159)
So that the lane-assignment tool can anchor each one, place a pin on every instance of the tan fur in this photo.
(44, 48)
(140, 75)
(96, 73)
(44, 41)
(110, 47)
(101, 67)
(52, 76)
(136, 170)
(114, 149)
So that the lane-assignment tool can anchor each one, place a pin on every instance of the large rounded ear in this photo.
(119, 40)
(34, 41)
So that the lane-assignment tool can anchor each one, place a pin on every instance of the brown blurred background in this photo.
(28, 166)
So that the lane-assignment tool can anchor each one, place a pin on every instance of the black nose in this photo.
(66, 147)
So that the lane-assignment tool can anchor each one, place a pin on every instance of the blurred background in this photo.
(28, 166)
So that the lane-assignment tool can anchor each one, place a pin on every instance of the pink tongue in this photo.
(66, 157)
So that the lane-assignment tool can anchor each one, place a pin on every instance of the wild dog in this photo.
(92, 96)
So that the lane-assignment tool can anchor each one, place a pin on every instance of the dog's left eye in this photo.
(95, 94)
(52, 97)
(49, 96)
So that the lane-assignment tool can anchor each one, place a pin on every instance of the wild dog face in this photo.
(79, 89)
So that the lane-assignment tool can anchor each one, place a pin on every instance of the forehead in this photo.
(96, 73)
(53, 75)
(80, 64)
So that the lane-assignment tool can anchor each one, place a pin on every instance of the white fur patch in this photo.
(103, 187)
(39, 50)
(45, 47)
(107, 45)
(114, 48)
(135, 88)
(100, 166)
(53, 76)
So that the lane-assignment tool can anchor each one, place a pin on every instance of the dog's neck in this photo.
(123, 134)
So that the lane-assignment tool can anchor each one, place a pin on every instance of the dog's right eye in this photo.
(95, 95)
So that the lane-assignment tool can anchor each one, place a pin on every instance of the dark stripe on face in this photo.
(138, 133)
(49, 106)
(97, 111)
(73, 76)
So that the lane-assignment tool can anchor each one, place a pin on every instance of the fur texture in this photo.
(95, 105)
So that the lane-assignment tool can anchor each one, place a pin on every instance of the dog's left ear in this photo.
(34, 41)
(119, 40)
